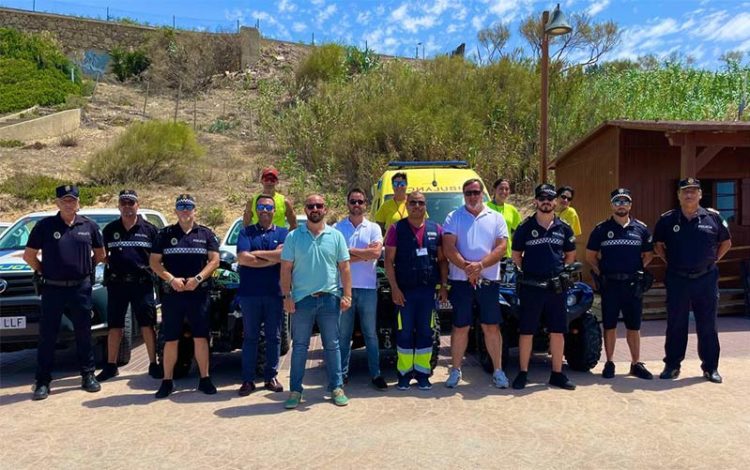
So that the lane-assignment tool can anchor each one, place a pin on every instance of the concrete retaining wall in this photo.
(45, 127)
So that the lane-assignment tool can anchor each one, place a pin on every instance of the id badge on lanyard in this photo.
(421, 251)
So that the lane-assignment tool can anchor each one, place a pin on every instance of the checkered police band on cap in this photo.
(620, 193)
(185, 199)
(545, 190)
(129, 194)
(67, 190)
(690, 183)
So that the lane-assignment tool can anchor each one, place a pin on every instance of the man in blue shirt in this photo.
(66, 241)
(542, 246)
(259, 253)
(184, 256)
(314, 271)
(690, 240)
(618, 250)
(129, 280)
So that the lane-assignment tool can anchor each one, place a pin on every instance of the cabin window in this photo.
(722, 195)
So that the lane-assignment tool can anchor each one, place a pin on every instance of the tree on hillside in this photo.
(588, 42)
(492, 41)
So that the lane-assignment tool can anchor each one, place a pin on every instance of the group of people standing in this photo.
(326, 275)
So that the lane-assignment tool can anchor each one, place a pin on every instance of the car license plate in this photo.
(12, 323)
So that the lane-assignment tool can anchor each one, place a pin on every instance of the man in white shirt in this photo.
(475, 240)
(365, 242)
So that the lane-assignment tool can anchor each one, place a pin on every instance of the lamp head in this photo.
(557, 24)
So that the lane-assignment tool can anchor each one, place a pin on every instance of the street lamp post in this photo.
(550, 27)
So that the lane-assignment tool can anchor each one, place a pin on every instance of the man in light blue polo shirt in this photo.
(314, 264)
(474, 242)
(365, 242)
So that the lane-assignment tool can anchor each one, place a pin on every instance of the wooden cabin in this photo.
(649, 158)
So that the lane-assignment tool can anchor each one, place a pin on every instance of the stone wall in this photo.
(87, 39)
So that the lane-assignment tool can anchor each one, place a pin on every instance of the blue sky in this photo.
(702, 28)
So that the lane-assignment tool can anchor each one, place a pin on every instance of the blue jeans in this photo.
(365, 305)
(268, 310)
(325, 311)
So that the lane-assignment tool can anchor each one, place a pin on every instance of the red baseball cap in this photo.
(269, 171)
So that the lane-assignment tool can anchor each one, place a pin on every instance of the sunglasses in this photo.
(314, 206)
(399, 184)
(621, 202)
(356, 202)
(271, 179)
(265, 207)
(472, 192)
(127, 202)
(567, 198)
(184, 207)
(545, 198)
(417, 203)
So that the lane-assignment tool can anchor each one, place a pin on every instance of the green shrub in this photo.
(41, 188)
(325, 63)
(11, 143)
(212, 216)
(128, 64)
(219, 126)
(147, 152)
(33, 70)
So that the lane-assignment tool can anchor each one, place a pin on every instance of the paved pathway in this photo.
(621, 423)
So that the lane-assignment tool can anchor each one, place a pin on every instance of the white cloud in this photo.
(478, 22)
(325, 13)
(298, 26)
(364, 17)
(286, 6)
(598, 6)
(453, 27)
(721, 26)
(235, 14)
(317, 3)
(400, 13)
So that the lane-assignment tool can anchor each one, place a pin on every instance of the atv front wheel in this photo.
(583, 343)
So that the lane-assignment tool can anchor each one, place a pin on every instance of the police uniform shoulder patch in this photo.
(669, 212)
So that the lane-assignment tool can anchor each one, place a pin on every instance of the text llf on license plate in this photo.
(12, 323)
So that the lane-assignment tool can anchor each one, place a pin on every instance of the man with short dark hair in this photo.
(130, 282)
(393, 209)
(691, 240)
(618, 251)
(66, 241)
(316, 285)
(284, 213)
(259, 254)
(567, 214)
(365, 242)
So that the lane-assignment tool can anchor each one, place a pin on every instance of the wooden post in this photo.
(543, 122)
(687, 157)
(177, 101)
(145, 98)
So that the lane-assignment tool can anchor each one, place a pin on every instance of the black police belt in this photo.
(692, 274)
(56, 283)
(619, 277)
(558, 284)
(143, 277)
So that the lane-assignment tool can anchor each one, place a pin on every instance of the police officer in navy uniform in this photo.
(542, 246)
(67, 241)
(691, 239)
(128, 241)
(184, 256)
(618, 250)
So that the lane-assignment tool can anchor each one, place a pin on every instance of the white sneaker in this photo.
(454, 377)
(499, 379)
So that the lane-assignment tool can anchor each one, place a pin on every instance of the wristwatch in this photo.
(199, 278)
(286, 296)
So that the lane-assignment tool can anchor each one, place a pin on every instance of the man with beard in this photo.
(365, 242)
(618, 250)
(129, 280)
(185, 256)
(475, 241)
(314, 272)
(542, 246)
(414, 265)
(690, 240)
(284, 213)
(259, 254)
(67, 241)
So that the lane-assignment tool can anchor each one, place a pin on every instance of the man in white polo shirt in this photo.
(365, 242)
(474, 241)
